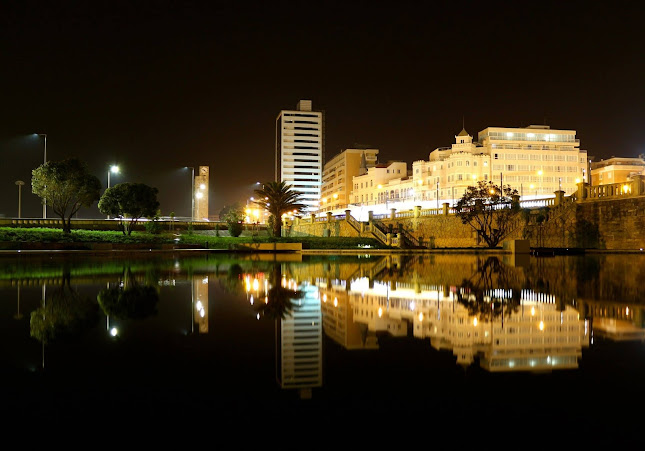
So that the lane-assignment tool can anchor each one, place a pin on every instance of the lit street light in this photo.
(19, 183)
(114, 169)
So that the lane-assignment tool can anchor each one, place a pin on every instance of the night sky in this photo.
(158, 85)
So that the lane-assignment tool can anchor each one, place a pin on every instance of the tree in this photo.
(234, 220)
(65, 186)
(278, 198)
(489, 210)
(130, 201)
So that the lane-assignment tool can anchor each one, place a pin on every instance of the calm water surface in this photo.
(509, 345)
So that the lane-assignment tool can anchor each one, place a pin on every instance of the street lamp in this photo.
(114, 169)
(192, 192)
(19, 183)
(44, 135)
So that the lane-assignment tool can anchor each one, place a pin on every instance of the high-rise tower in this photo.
(299, 151)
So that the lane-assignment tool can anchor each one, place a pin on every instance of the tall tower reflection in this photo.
(199, 297)
(299, 342)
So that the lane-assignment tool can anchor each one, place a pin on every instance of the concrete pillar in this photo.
(388, 239)
(370, 216)
(348, 213)
(515, 200)
(637, 185)
(446, 208)
(559, 197)
(329, 216)
(392, 213)
(417, 211)
(313, 218)
(582, 192)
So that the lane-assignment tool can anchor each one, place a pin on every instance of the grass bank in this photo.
(10, 236)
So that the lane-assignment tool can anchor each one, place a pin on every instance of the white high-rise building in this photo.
(299, 151)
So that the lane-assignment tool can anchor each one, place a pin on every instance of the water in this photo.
(505, 345)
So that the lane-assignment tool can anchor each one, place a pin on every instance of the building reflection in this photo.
(536, 337)
(199, 302)
(295, 308)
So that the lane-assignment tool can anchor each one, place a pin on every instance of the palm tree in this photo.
(278, 198)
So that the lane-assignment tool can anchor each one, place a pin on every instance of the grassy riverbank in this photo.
(15, 238)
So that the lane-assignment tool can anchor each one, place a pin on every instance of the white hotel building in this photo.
(299, 151)
(535, 160)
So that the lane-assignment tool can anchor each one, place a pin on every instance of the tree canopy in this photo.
(278, 198)
(489, 209)
(131, 201)
(65, 186)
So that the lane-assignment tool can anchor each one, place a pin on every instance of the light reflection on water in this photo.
(337, 331)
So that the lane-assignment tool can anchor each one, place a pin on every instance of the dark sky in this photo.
(159, 85)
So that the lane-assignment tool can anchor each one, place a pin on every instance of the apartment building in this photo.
(535, 160)
(338, 174)
(299, 151)
(616, 170)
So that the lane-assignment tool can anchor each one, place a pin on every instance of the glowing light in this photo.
(202, 186)
(532, 311)
(251, 299)
(335, 302)
(380, 312)
(258, 316)
(474, 321)
(577, 180)
(541, 326)
(199, 195)
(325, 297)
(256, 285)
(380, 186)
(114, 331)
(420, 316)
(335, 196)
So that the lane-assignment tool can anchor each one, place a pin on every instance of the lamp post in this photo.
(19, 183)
(44, 135)
(192, 192)
(115, 170)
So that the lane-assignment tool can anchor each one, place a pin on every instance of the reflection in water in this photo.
(297, 315)
(498, 313)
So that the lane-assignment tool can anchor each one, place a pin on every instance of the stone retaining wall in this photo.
(616, 224)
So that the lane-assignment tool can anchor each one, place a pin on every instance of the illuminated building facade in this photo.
(201, 194)
(616, 170)
(299, 151)
(338, 174)
(535, 160)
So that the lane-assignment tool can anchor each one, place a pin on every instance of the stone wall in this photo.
(616, 224)
(591, 224)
